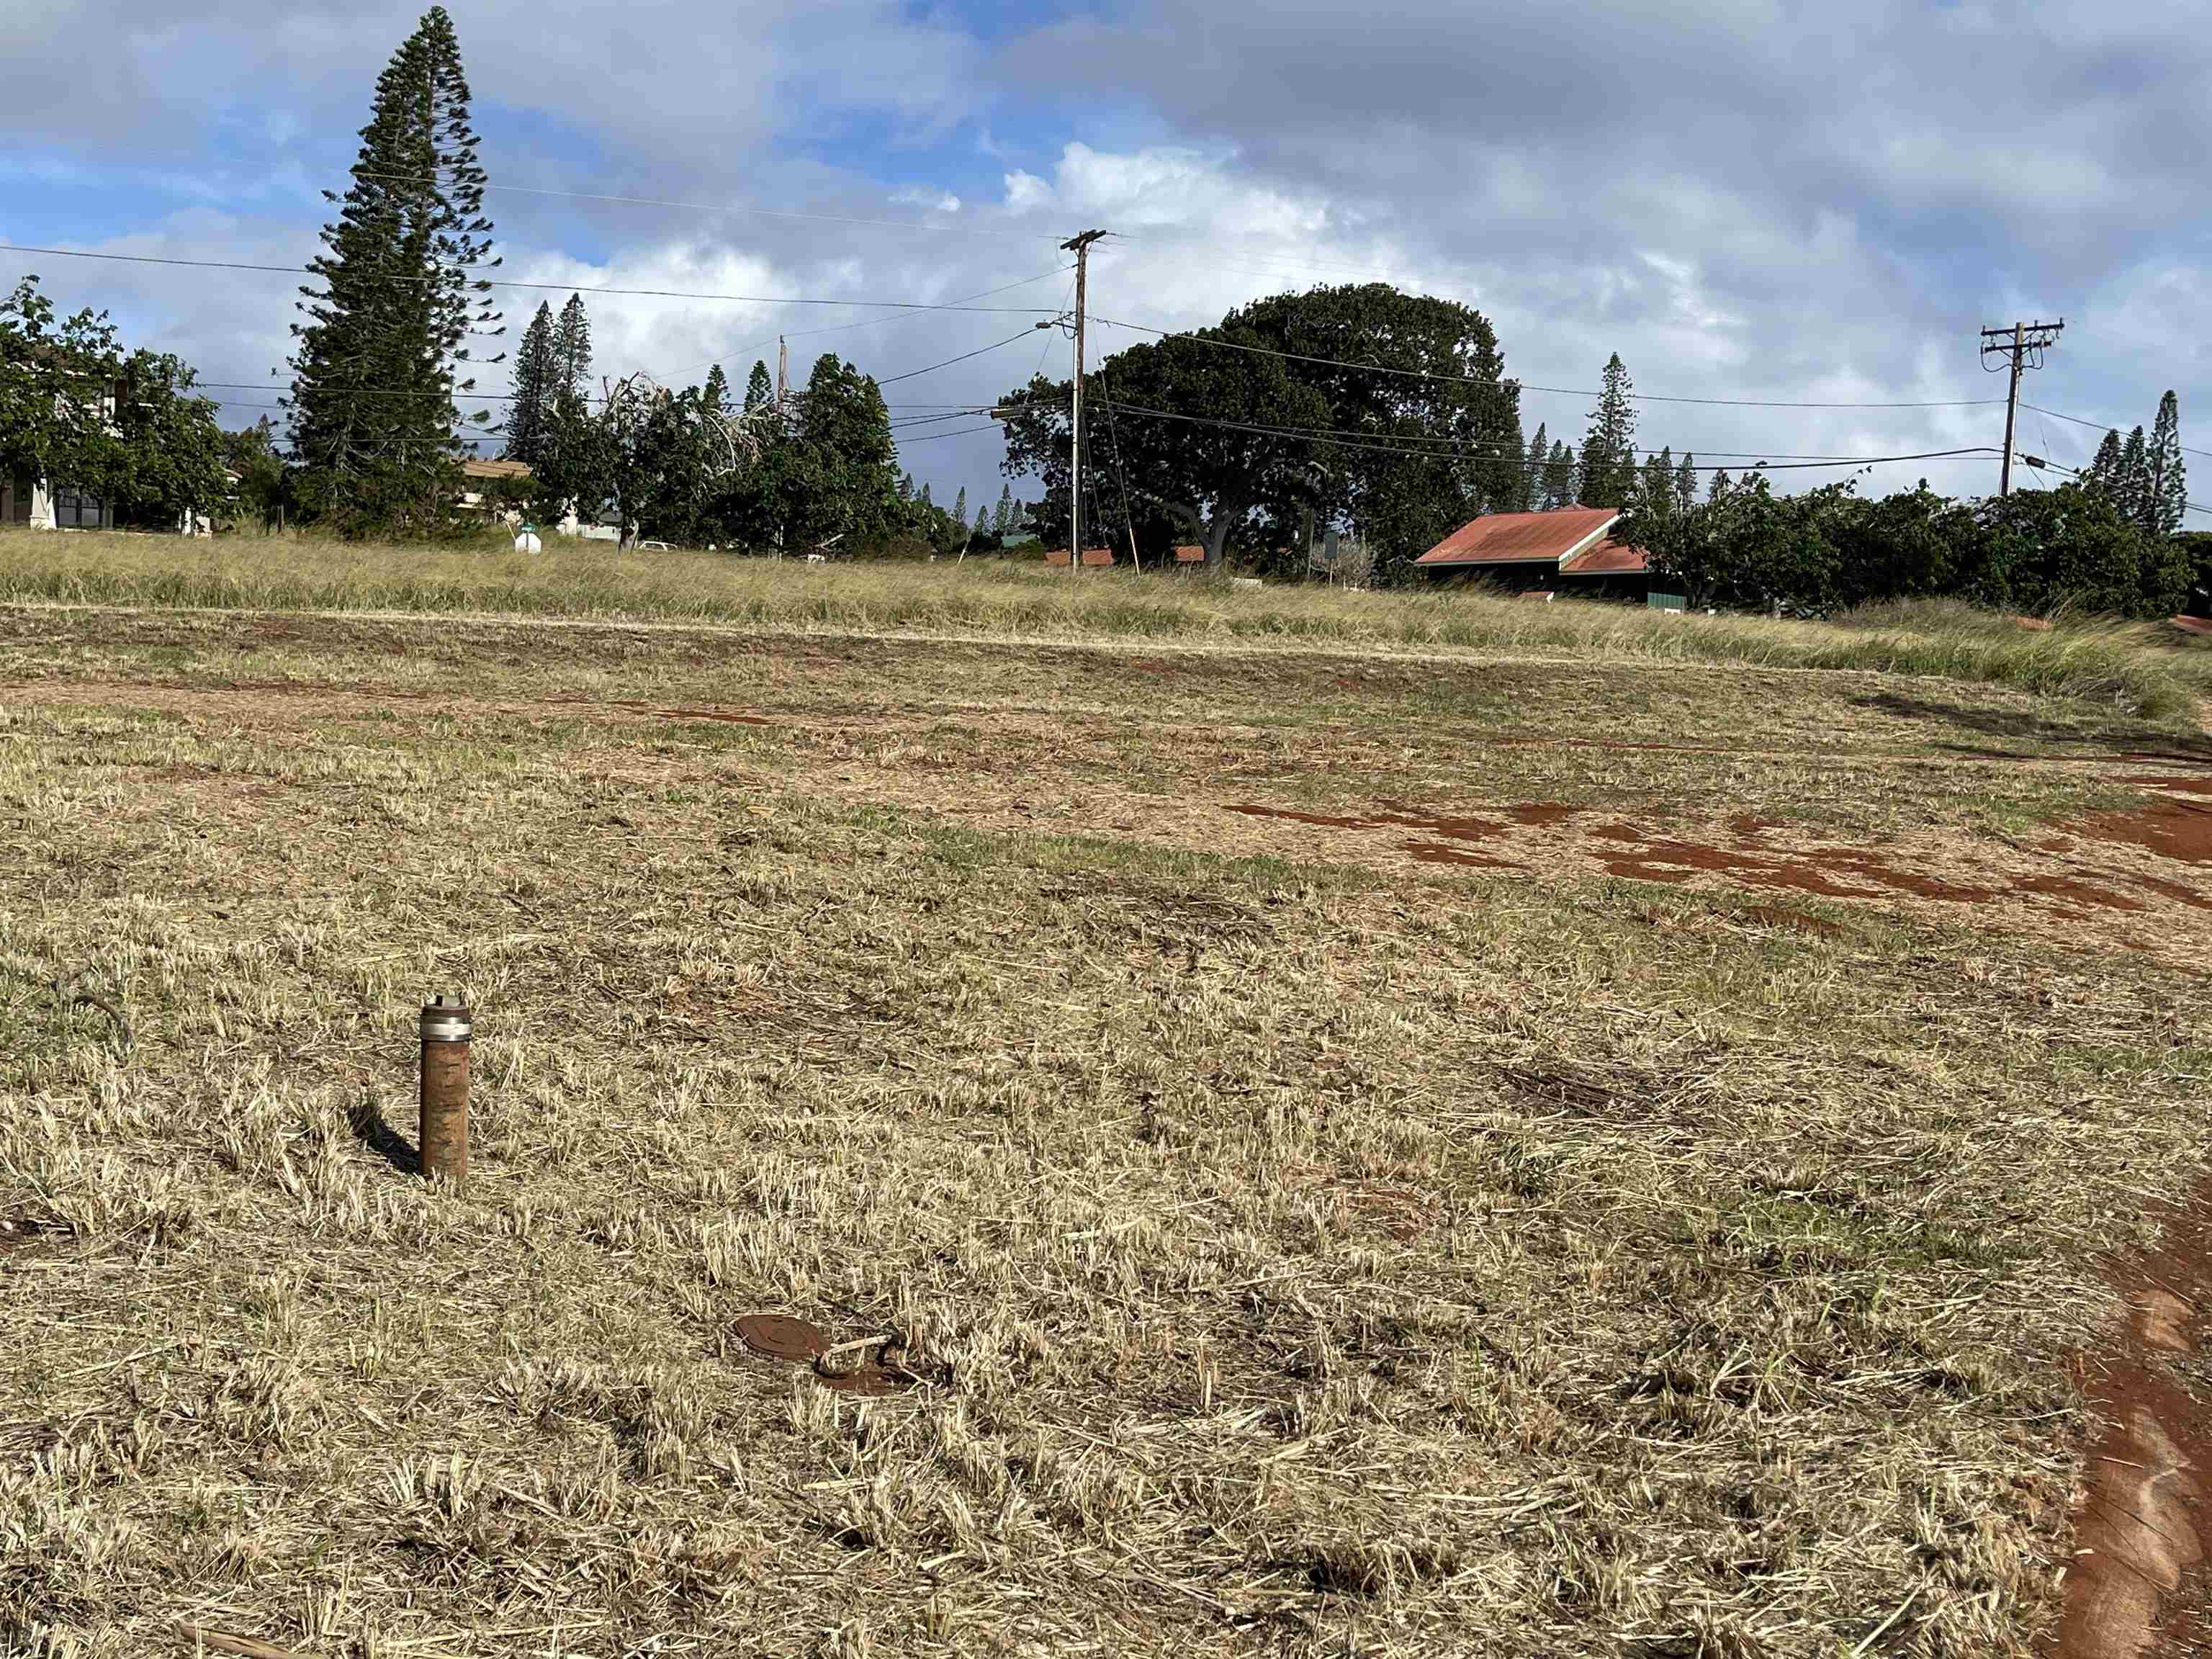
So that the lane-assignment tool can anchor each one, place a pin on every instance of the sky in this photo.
(1746, 199)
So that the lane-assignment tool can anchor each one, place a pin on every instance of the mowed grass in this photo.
(1311, 1253)
(2144, 669)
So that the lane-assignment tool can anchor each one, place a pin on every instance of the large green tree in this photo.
(1415, 388)
(1608, 476)
(843, 482)
(1356, 404)
(385, 344)
(79, 411)
(535, 380)
(1208, 441)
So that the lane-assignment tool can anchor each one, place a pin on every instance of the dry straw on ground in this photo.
(1310, 1250)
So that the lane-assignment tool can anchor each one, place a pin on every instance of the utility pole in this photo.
(1080, 247)
(2020, 347)
(783, 369)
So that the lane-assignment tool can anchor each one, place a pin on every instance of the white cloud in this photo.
(937, 201)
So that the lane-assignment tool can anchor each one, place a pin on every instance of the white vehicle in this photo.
(654, 547)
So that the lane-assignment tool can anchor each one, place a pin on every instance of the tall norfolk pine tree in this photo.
(2166, 484)
(572, 347)
(760, 389)
(397, 304)
(1609, 449)
(533, 389)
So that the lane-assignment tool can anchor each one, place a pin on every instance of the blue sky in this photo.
(1746, 198)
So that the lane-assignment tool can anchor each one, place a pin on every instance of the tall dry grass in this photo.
(2133, 665)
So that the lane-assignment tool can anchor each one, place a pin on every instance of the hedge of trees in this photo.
(1827, 549)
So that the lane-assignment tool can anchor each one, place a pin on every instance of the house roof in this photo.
(1522, 537)
(1608, 557)
(480, 469)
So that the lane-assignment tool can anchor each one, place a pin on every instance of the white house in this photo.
(27, 500)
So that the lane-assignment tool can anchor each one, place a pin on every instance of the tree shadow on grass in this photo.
(2134, 739)
(381, 1138)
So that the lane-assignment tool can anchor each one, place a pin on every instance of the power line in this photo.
(737, 353)
(550, 288)
(2077, 472)
(970, 230)
(2100, 425)
(1504, 448)
(932, 437)
(1526, 386)
(996, 345)
(1308, 435)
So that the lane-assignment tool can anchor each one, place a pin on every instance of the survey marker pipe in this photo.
(444, 1123)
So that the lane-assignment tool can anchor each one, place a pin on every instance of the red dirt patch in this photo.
(1832, 874)
(1321, 819)
(1432, 851)
(2077, 892)
(2178, 829)
(1395, 816)
(2182, 786)
(1536, 814)
(2137, 1538)
(2172, 890)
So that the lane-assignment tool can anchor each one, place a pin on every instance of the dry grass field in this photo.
(1358, 1145)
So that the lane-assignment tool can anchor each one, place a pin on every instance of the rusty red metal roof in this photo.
(1522, 537)
(1610, 557)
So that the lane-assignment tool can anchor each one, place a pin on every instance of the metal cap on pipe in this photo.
(446, 1019)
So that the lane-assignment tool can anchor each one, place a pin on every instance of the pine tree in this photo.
(1540, 452)
(527, 413)
(1609, 448)
(960, 508)
(1719, 487)
(2135, 477)
(572, 346)
(1511, 487)
(2165, 486)
(1559, 475)
(1002, 521)
(924, 497)
(760, 388)
(1686, 483)
(397, 304)
(714, 397)
(2103, 473)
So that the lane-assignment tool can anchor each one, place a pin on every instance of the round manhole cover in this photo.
(778, 1336)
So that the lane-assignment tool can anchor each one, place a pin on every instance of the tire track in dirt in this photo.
(2139, 1540)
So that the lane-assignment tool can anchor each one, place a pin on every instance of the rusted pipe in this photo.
(444, 1122)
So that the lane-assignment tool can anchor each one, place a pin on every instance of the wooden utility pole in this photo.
(782, 368)
(1080, 247)
(2021, 346)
